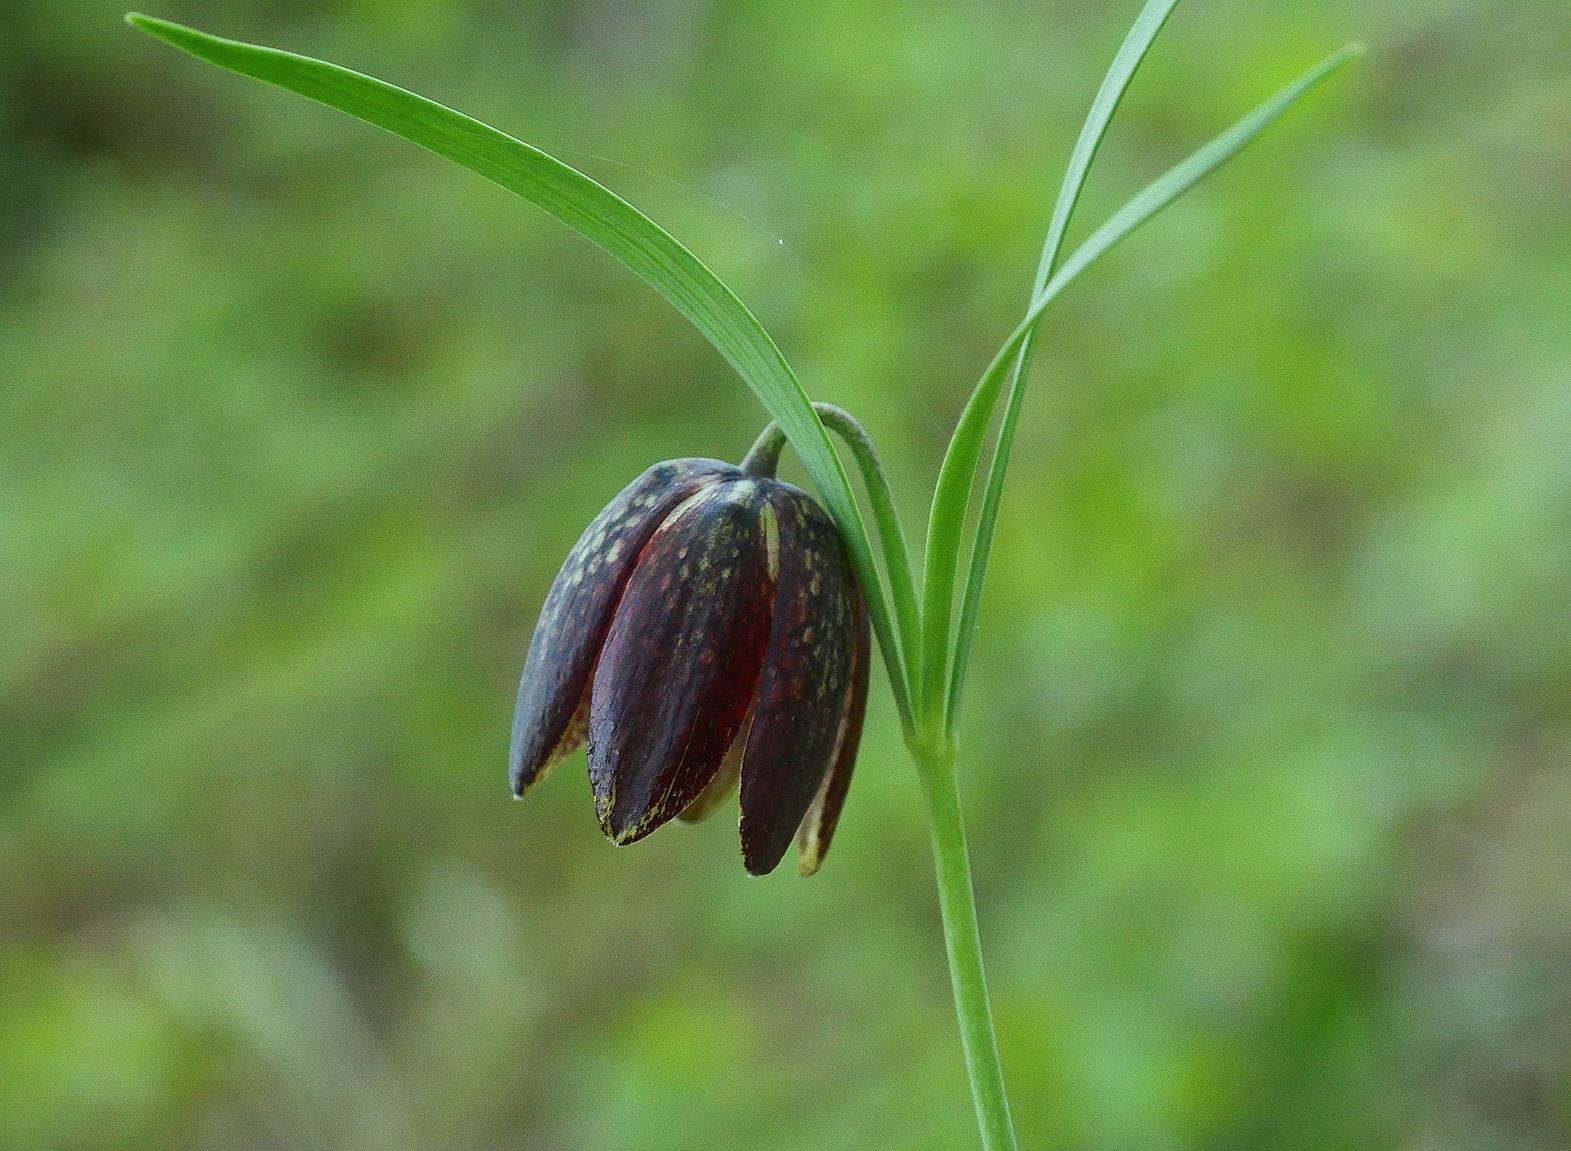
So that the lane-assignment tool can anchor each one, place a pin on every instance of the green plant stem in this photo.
(957, 903)
(897, 557)
(764, 456)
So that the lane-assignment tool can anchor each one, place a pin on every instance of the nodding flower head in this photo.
(706, 629)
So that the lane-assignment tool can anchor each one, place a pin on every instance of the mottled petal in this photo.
(549, 719)
(802, 693)
(681, 661)
(818, 826)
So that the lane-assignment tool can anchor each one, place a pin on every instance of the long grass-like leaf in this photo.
(1131, 53)
(947, 522)
(616, 226)
(1142, 34)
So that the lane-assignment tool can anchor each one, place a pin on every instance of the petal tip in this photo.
(630, 833)
(757, 866)
(621, 828)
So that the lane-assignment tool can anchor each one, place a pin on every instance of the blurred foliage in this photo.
(1266, 757)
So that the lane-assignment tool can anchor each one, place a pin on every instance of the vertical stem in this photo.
(957, 902)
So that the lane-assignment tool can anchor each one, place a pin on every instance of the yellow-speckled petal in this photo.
(681, 660)
(806, 681)
(549, 719)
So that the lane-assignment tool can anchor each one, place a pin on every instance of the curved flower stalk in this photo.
(688, 680)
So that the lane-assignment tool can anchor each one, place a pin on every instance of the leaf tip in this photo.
(1350, 51)
(166, 30)
(152, 25)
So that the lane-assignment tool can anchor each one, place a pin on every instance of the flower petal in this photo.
(801, 701)
(723, 786)
(548, 721)
(818, 827)
(681, 660)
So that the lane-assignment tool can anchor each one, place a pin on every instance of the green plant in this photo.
(925, 641)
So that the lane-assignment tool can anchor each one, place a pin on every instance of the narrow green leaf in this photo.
(1185, 175)
(1131, 53)
(1142, 34)
(947, 521)
(609, 221)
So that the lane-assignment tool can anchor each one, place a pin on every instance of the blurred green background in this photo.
(1266, 756)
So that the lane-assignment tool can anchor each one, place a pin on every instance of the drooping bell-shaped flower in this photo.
(706, 629)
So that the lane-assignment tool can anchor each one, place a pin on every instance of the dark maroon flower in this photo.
(705, 629)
